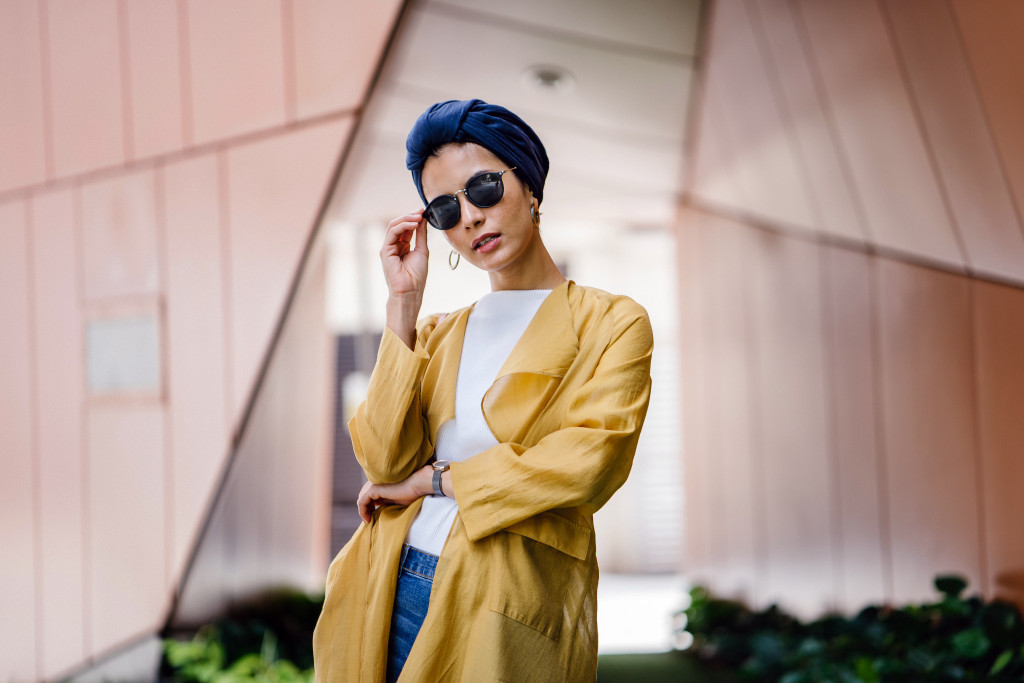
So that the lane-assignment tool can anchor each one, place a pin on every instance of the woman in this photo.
(482, 491)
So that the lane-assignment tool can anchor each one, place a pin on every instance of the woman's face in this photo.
(499, 238)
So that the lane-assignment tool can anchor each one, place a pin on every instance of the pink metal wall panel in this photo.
(270, 523)
(764, 152)
(697, 518)
(825, 173)
(790, 391)
(56, 265)
(302, 427)
(274, 190)
(154, 76)
(991, 36)
(18, 647)
(861, 538)
(999, 336)
(23, 161)
(715, 177)
(127, 580)
(952, 117)
(86, 87)
(735, 469)
(196, 347)
(209, 579)
(929, 426)
(236, 62)
(879, 134)
(337, 48)
(119, 236)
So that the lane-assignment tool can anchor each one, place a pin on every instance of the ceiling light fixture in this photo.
(548, 79)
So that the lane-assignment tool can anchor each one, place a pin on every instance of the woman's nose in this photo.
(471, 213)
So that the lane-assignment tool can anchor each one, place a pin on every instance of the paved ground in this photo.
(634, 612)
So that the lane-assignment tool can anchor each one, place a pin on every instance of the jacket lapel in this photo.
(549, 343)
(534, 369)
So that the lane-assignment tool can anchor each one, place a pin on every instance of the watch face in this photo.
(442, 465)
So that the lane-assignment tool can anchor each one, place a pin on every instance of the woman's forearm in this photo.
(401, 315)
(417, 485)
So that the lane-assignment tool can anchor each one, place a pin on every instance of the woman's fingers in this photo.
(399, 235)
(421, 237)
(403, 227)
(370, 498)
(364, 503)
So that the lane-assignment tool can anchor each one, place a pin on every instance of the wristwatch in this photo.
(439, 467)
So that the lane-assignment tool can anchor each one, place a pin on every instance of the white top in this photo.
(495, 324)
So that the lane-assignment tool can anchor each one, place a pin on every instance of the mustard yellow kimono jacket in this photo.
(515, 590)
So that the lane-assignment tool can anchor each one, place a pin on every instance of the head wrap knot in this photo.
(493, 127)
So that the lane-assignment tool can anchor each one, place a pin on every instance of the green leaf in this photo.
(951, 585)
(866, 671)
(971, 644)
(954, 607)
(921, 659)
(1001, 661)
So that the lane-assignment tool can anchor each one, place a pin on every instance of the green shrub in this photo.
(953, 639)
(268, 640)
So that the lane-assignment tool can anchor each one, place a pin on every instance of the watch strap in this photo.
(438, 491)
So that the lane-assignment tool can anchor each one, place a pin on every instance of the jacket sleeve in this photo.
(581, 464)
(389, 429)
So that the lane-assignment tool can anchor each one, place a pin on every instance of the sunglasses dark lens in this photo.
(485, 190)
(443, 212)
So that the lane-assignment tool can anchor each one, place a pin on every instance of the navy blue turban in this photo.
(495, 128)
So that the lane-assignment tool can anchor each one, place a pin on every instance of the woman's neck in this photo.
(538, 272)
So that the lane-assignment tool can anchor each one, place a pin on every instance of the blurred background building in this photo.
(818, 201)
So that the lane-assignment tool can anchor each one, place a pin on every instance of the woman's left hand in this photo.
(406, 492)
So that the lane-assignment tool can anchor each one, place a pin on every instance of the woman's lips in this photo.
(487, 243)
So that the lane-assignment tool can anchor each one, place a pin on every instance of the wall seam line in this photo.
(925, 137)
(211, 147)
(49, 144)
(830, 387)
(778, 93)
(697, 102)
(703, 205)
(128, 119)
(163, 288)
(1007, 186)
(37, 474)
(289, 70)
(185, 77)
(757, 437)
(979, 450)
(227, 291)
(877, 364)
(831, 124)
(78, 229)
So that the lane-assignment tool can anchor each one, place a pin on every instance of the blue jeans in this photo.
(412, 596)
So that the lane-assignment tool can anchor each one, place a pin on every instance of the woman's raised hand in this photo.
(405, 269)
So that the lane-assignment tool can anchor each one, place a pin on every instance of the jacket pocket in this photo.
(542, 556)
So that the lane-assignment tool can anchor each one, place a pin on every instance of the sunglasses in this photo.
(484, 190)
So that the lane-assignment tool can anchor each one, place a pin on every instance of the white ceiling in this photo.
(614, 138)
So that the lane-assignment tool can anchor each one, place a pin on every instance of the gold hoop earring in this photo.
(458, 258)
(535, 216)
